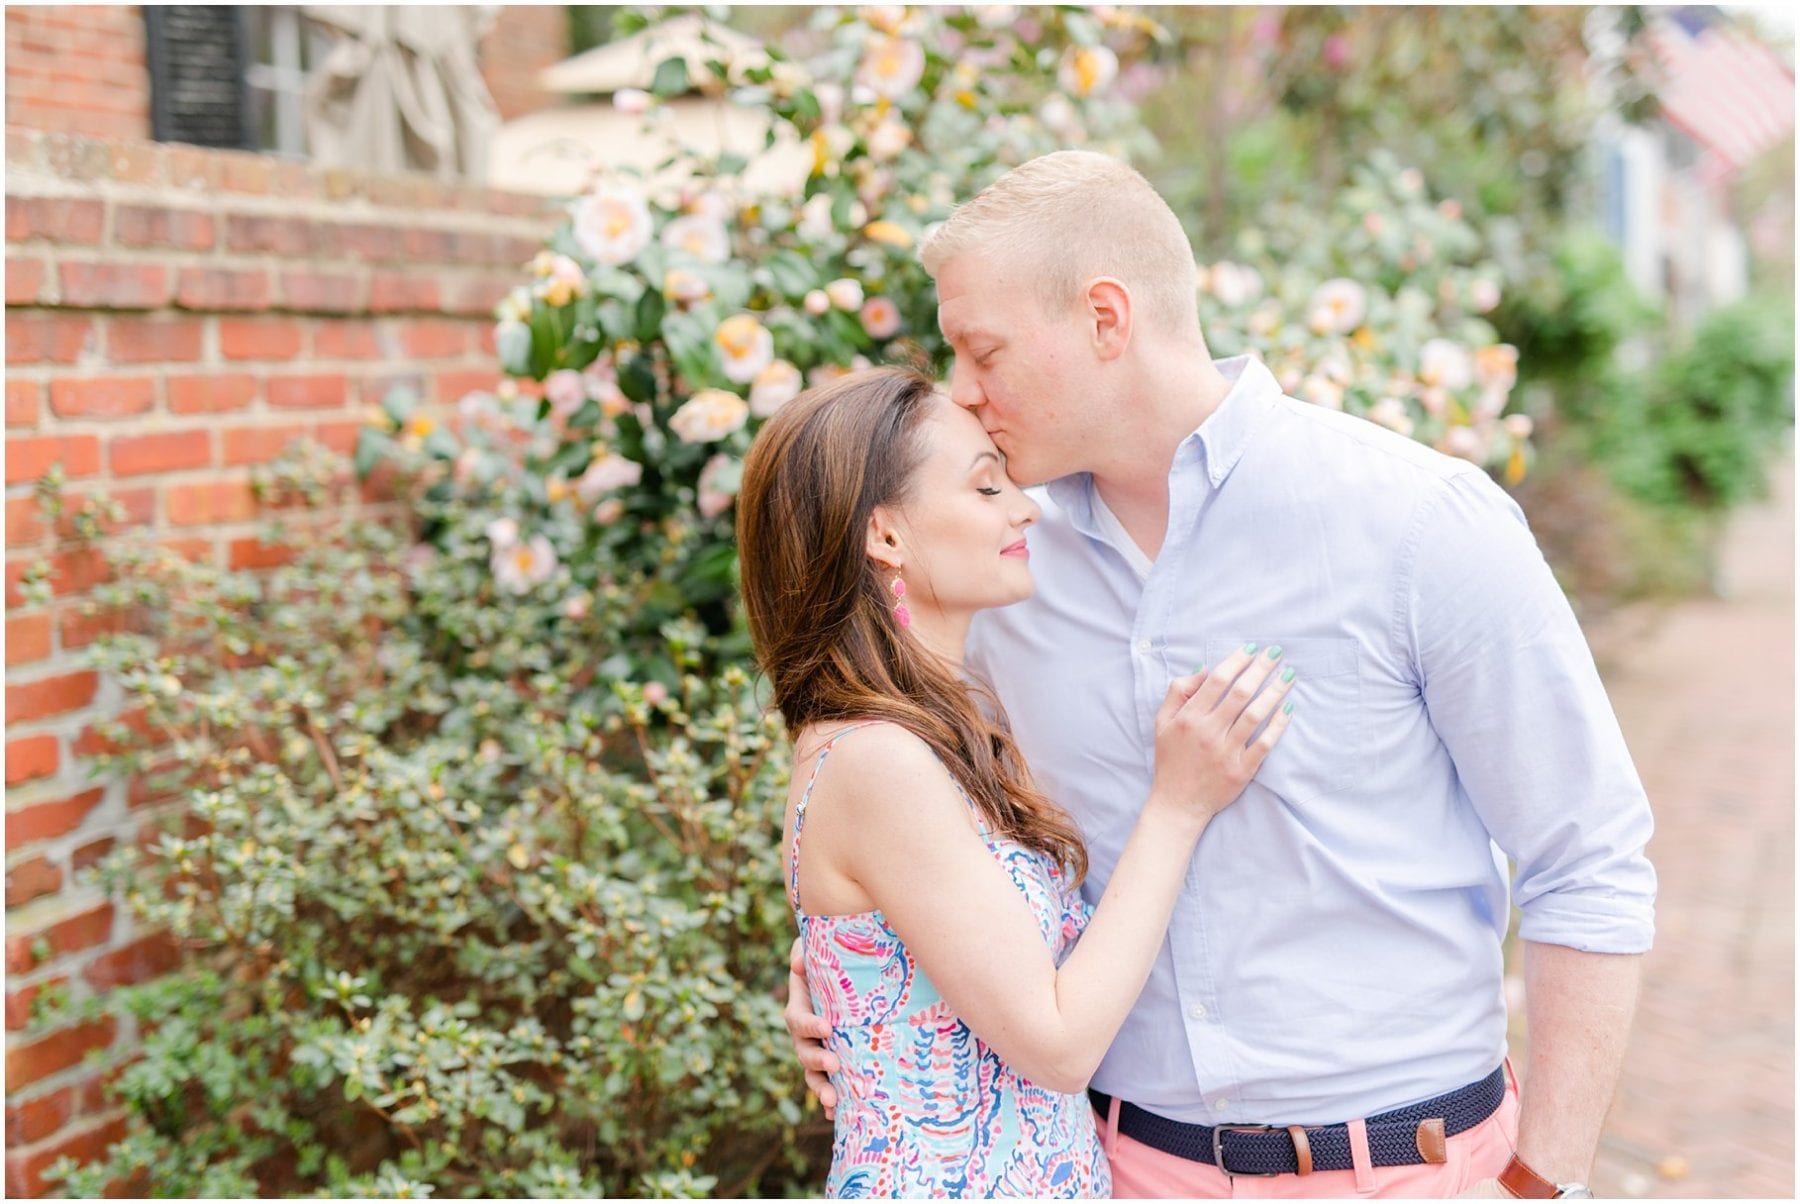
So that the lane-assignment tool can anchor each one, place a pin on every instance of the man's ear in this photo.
(884, 543)
(1109, 310)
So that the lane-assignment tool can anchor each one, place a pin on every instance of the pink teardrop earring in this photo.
(902, 615)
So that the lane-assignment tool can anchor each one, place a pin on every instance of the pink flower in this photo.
(566, 391)
(892, 68)
(605, 474)
(718, 486)
(881, 318)
(521, 567)
(1335, 54)
(655, 693)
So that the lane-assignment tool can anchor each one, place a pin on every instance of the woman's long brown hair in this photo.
(821, 617)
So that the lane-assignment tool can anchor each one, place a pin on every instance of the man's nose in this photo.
(963, 389)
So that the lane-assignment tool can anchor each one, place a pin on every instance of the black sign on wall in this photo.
(197, 54)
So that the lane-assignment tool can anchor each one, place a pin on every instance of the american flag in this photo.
(1727, 90)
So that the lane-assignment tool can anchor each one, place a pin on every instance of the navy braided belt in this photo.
(1404, 1137)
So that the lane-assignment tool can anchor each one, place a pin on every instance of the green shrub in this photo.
(1701, 430)
(463, 912)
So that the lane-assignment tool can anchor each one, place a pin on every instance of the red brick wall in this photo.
(81, 70)
(78, 70)
(174, 316)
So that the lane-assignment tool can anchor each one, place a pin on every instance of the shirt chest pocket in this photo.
(1323, 750)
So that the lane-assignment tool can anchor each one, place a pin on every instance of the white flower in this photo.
(881, 318)
(846, 294)
(1391, 413)
(478, 409)
(888, 139)
(745, 345)
(892, 68)
(815, 223)
(612, 223)
(564, 281)
(1445, 364)
(566, 391)
(685, 287)
(1058, 114)
(994, 16)
(632, 101)
(1484, 294)
(520, 567)
(1497, 366)
(1234, 284)
(605, 474)
(1322, 391)
(708, 415)
(773, 388)
(1265, 320)
(576, 606)
(700, 235)
(503, 532)
(830, 96)
(1517, 425)
(1086, 69)
(718, 485)
(1463, 441)
(817, 302)
(787, 78)
(609, 511)
(1337, 307)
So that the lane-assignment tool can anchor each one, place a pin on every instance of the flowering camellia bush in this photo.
(662, 324)
(1375, 307)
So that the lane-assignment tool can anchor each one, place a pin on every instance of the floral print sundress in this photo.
(924, 1107)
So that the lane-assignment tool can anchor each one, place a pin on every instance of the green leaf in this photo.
(650, 310)
(793, 274)
(372, 446)
(399, 402)
(671, 78)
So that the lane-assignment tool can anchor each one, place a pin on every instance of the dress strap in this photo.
(800, 811)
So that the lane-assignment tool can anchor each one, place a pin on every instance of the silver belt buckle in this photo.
(1218, 1149)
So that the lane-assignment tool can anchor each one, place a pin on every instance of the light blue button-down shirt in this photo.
(1335, 951)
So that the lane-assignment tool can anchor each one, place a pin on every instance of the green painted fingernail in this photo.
(1274, 652)
(1250, 647)
(1288, 709)
(1287, 674)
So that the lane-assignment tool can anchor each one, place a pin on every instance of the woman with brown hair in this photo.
(935, 889)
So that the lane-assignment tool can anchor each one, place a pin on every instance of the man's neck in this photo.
(1135, 484)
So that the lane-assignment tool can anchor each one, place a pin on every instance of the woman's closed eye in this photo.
(990, 492)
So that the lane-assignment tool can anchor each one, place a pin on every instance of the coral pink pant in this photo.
(1140, 1172)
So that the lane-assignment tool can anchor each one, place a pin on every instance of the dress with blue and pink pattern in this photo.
(924, 1107)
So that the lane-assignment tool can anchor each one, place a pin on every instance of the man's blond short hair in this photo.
(1072, 216)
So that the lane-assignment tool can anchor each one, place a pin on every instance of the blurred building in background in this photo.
(1727, 99)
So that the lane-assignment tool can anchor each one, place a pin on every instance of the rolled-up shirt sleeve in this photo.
(1511, 689)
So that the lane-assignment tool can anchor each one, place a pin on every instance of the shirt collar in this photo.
(1227, 431)
(1224, 435)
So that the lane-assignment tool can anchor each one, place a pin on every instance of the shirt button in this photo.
(1197, 1012)
(1144, 647)
(1221, 1103)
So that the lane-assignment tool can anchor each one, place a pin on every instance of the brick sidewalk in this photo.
(1706, 1103)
